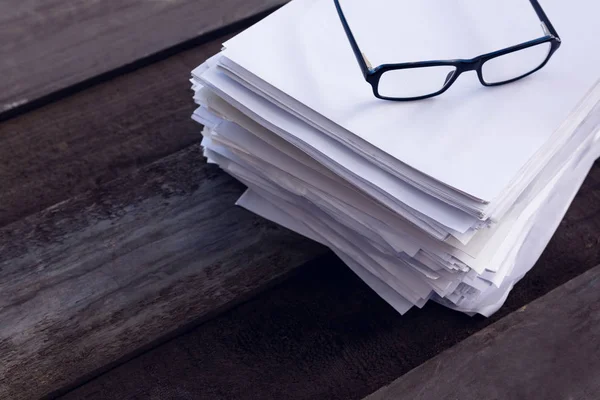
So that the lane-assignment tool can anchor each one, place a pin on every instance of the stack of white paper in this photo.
(452, 198)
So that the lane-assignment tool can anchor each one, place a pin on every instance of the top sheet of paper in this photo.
(472, 138)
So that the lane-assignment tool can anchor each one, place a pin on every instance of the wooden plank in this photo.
(79, 143)
(548, 349)
(96, 277)
(323, 334)
(47, 46)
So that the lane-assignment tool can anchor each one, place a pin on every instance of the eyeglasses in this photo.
(421, 80)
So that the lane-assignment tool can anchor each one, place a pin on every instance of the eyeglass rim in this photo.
(461, 65)
(373, 74)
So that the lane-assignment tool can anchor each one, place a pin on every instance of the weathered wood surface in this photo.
(128, 254)
(96, 277)
(138, 251)
(323, 334)
(549, 349)
(48, 45)
(79, 143)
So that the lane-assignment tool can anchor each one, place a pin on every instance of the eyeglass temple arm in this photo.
(363, 63)
(544, 18)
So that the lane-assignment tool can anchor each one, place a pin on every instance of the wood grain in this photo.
(79, 143)
(128, 254)
(545, 350)
(98, 276)
(49, 45)
(323, 334)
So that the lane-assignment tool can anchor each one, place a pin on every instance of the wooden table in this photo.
(113, 230)
(115, 235)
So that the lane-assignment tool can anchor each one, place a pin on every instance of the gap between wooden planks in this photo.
(47, 46)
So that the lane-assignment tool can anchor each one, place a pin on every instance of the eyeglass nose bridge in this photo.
(473, 64)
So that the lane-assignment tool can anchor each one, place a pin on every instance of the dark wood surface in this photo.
(547, 350)
(323, 334)
(79, 143)
(114, 233)
(49, 45)
(96, 277)
(109, 221)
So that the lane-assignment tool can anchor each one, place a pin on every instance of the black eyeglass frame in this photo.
(372, 75)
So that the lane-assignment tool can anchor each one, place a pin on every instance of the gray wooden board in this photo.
(97, 135)
(49, 45)
(547, 350)
(95, 277)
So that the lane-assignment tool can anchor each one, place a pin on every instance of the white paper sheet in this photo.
(477, 139)
(355, 210)
(262, 207)
(531, 240)
(284, 124)
(451, 199)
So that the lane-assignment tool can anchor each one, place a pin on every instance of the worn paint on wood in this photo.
(96, 277)
(548, 349)
(49, 45)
